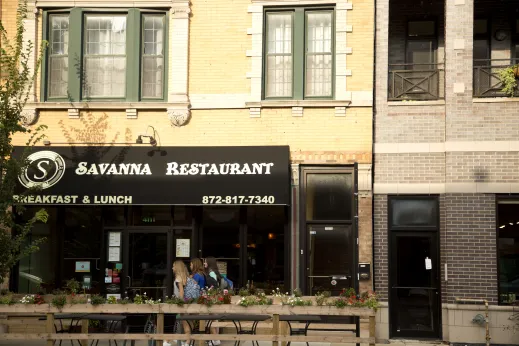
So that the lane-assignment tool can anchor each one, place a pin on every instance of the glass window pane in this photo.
(105, 56)
(414, 212)
(318, 77)
(279, 54)
(508, 250)
(153, 58)
(480, 26)
(58, 56)
(37, 272)
(421, 28)
(329, 196)
(266, 247)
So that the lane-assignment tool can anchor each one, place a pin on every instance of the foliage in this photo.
(138, 299)
(322, 297)
(175, 301)
(507, 76)
(297, 292)
(350, 298)
(259, 299)
(7, 299)
(32, 299)
(296, 301)
(111, 300)
(124, 301)
(59, 301)
(97, 300)
(79, 300)
(73, 286)
(18, 74)
(243, 292)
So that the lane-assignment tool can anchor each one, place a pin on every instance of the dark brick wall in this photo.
(470, 246)
(467, 245)
(381, 247)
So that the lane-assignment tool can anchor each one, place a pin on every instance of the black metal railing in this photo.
(486, 77)
(417, 82)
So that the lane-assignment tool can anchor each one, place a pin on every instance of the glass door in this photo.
(331, 264)
(414, 280)
(148, 263)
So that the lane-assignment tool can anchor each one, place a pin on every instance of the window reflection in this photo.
(508, 251)
(414, 212)
(329, 196)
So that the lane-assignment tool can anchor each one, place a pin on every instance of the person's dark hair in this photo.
(211, 265)
(198, 266)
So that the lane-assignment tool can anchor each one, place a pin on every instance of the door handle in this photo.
(341, 277)
(129, 281)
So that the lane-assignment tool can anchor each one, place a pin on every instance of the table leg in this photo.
(284, 330)
(84, 330)
(201, 328)
(275, 328)
(372, 329)
(49, 328)
(160, 327)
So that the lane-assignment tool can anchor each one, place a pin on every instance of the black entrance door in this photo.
(148, 259)
(331, 258)
(414, 281)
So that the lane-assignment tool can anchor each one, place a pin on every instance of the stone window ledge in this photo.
(495, 99)
(416, 103)
(298, 103)
(105, 105)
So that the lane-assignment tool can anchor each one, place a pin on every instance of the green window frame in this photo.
(299, 53)
(145, 75)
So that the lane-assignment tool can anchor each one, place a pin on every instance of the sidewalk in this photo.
(228, 343)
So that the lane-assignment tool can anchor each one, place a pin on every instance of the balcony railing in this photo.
(486, 77)
(418, 82)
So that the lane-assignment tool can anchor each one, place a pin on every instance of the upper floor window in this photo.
(299, 53)
(96, 56)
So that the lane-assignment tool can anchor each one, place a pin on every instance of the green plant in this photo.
(296, 301)
(7, 299)
(175, 301)
(73, 286)
(111, 300)
(260, 299)
(138, 299)
(322, 297)
(508, 78)
(18, 66)
(124, 301)
(59, 301)
(78, 300)
(243, 292)
(297, 293)
(4, 291)
(97, 300)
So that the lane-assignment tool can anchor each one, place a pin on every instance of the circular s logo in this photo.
(44, 169)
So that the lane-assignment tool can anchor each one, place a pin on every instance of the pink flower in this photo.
(225, 291)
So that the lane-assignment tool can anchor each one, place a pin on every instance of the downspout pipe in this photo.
(478, 301)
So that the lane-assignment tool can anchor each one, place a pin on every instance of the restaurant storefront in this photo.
(119, 216)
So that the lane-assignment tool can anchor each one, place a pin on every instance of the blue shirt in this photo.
(200, 280)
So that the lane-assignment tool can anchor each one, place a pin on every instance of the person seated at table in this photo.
(213, 279)
(197, 272)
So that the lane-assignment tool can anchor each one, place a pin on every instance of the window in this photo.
(299, 48)
(95, 56)
(413, 213)
(508, 250)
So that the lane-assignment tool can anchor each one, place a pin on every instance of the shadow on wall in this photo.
(480, 175)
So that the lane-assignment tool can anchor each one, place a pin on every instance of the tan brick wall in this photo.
(8, 15)
(217, 47)
(360, 62)
(318, 136)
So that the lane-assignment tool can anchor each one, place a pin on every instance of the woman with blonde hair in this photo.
(182, 287)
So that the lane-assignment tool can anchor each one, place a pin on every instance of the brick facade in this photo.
(215, 75)
(465, 146)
